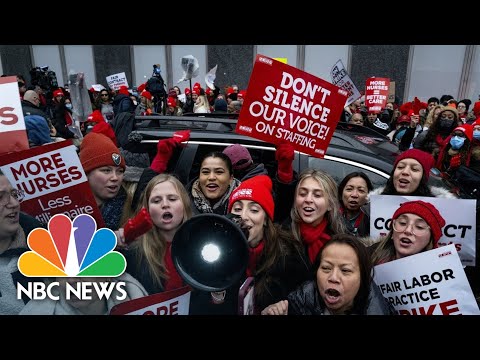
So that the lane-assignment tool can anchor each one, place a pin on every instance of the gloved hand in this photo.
(164, 153)
(137, 226)
(181, 136)
(284, 156)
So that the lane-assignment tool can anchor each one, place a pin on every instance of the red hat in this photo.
(171, 101)
(187, 91)
(476, 122)
(476, 109)
(96, 117)
(141, 88)
(239, 156)
(403, 119)
(105, 129)
(230, 90)
(97, 150)
(91, 89)
(58, 92)
(467, 129)
(123, 90)
(197, 86)
(427, 212)
(242, 94)
(258, 189)
(208, 92)
(146, 94)
(425, 159)
(196, 91)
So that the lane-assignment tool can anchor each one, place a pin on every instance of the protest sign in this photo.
(391, 92)
(460, 223)
(174, 302)
(429, 283)
(341, 78)
(116, 80)
(376, 93)
(287, 105)
(13, 133)
(52, 180)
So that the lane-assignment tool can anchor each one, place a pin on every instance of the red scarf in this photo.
(441, 142)
(314, 237)
(253, 256)
(174, 280)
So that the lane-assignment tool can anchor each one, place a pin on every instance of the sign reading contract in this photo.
(459, 229)
(285, 104)
(175, 302)
(429, 283)
(115, 81)
(376, 93)
(52, 181)
(13, 133)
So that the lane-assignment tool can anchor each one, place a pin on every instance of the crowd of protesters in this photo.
(308, 237)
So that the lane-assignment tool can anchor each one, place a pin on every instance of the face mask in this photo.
(446, 124)
(476, 134)
(68, 106)
(457, 142)
(135, 103)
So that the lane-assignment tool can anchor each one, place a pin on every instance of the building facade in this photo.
(417, 70)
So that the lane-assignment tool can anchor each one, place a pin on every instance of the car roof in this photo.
(221, 129)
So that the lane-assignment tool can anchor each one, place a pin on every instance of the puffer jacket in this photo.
(307, 301)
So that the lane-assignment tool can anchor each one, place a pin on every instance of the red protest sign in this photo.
(285, 104)
(376, 93)
(13, 133)
(52, 180)
(174, 302)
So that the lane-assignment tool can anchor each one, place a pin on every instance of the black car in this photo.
(352, 147)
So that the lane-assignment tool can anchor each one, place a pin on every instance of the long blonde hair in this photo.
(152, 246)
(430, 120)
(330, 191)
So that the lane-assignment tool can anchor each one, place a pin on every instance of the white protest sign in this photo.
(174, 302)
(13, 133)
(341, 78)
(429, 283)
(117, 80)
(459, 215)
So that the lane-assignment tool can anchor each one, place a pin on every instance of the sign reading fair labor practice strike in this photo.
(376, 93)
(429, 283)
(460, 227)
(13, 133)
(175, 302)
(284, 104)
(52, 180)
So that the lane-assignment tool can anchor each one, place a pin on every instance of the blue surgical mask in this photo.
(476, 134)
(68, 106)
(457, 142)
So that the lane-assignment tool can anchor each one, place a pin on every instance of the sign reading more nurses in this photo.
(52, 181)
(13, 133)
(286, 105)
(376, 93)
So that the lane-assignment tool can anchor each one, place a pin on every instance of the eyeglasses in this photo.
(419, 228)
(460, 106)
(16, 194)
(103, 94)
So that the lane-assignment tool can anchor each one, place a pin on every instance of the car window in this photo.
(339, 170)
(259, 155)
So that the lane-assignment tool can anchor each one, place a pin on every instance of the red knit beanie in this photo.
(97, 150)
(467, 129)
(105, 129)
(258, 189)
(96, 117)
(146, 94)
(427, 212)
(425, 159)
(123, 90)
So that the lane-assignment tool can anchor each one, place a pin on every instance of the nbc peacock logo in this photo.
(72, 249)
